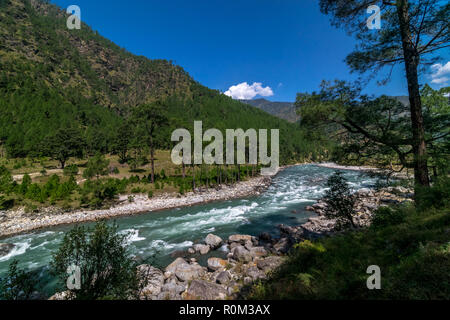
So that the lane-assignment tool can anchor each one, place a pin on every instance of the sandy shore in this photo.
(15, 222)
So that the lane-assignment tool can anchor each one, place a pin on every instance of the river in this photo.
(156, 236)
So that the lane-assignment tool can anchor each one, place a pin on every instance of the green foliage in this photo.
(386, 216)
(340, 201)
(437, 196)
(18, 284)
(65, 143)
(97, 166)
(107, 270)
(71, 170)
(6, 180)
(413, 256)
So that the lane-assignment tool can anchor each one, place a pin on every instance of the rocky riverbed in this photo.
(19, 221)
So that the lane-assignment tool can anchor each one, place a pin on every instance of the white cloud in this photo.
(246, 91)
(440, 73)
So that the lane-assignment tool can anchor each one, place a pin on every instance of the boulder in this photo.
(6, 248)
(216, 264)
(59, 296)
(255, 273)
(223, 277)
(239, 238)
(152, 280)
(265, 236)
(187, 272)
(202, 248)
(173, 288)
(173, 266)
(248, 245)
(213, 241)
(258, 252)
(241, 254)
(203, 290)
(282, 246)
(269, 263)
(168, 296)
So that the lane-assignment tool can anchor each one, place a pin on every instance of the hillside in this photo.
(52, 78)
(283, 110)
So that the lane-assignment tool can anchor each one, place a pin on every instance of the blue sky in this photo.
(287, 45)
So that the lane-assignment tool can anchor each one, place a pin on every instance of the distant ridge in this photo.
(283, 110)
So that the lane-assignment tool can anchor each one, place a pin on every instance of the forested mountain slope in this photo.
(52, 77)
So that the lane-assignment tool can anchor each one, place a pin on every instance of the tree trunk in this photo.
(193, 177)
(184, 170)
(411, 58)
(152, 160)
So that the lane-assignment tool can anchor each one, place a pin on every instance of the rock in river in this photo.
(239, 238)
(241, 254)
(213, 241)
(6, 248)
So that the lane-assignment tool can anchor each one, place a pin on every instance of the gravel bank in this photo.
(14, 222)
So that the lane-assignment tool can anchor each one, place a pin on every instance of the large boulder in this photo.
(239, 238)
(257, 252)
(6, 248)
(255, 273)
(173, 266)
(241, 254)
(269, 263)
(282, 246)
(187, 272)
(213, 241)
(173, 288)
(203, 290)
(152, 280)
(215, 264)
(223, 277)
(60, 296)
(202, 248)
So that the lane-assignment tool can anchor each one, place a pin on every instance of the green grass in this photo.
(414, 258)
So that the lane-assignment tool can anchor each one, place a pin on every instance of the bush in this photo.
(385, 216)
(106, 267)
(18, 284)
(435, 196)
(150, 194)
(340, 202)
(71, 170)
(6, 203)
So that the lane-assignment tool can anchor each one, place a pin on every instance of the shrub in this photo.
(101, 254)
(385, 216)
(18, 284)
(71, 170)
(6, 180)
(150, 194)
(435, 196)
(6, 203)
(340, 202)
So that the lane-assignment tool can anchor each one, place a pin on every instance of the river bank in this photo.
(13, 222)
(235, 263)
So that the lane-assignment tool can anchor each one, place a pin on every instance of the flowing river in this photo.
(156, 236)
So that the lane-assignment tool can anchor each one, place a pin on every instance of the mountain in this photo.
(283, 110)
(52, 78)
